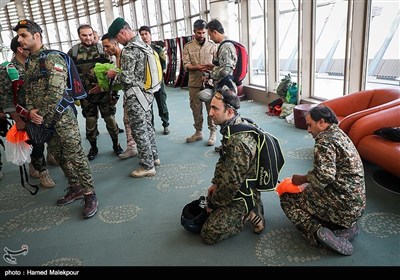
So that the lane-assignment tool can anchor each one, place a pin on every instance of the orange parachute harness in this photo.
(18, 151)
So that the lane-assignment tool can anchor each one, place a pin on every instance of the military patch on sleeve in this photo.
(58, 67)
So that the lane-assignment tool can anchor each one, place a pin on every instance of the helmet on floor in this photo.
(194, 215)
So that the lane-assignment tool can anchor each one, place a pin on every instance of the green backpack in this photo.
(284, 85)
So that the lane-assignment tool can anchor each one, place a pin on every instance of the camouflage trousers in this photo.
(130, 143)
(66, 147)
(197, 110)
(90, 111)
(224, 222)
(142, 131)
(308, 211)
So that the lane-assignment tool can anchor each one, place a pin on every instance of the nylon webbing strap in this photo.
(22, 172)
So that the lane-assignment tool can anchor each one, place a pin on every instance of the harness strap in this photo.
(21, 172)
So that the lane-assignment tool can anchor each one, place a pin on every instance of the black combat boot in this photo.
(93, 150)
(117, 147)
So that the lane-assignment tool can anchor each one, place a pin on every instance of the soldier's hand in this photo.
(95, 89)
(299, 179)
(211, 190)
(111, 74)
(35, 117)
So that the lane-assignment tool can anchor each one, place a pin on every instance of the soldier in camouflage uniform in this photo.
(138, 102)
(160, 95)
(42, 95)
(37, 167)
(228, 208)
(221, 69)
(225, 62)
(112, 48)
(327, 210)
(197, 54)
(85, 56)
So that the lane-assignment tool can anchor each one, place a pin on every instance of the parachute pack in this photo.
(74, 89)
(240, 71)
(269, 157)
(153, 70)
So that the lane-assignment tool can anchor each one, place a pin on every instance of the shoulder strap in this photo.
(75, 50)
(223, 42)
(245, 127)
(100, 48)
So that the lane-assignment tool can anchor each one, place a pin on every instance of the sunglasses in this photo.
(219, 96)
(29, 24)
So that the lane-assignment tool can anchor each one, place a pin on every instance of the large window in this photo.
(257, 43)
(288, 38)
(384, 45)
(330, 47)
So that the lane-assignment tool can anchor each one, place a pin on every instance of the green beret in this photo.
(116, 26)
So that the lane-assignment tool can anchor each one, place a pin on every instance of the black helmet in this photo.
(194, 215)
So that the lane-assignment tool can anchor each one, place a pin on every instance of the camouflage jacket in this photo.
(43, 93)
(196, 54)
(132, 65)
(6, 91)
(85, 61)
(225, 62)
(236, 163)
(338, 172)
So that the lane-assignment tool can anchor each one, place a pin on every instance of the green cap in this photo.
(116, 26)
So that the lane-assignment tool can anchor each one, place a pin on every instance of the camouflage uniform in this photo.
(225, 63)
(235, 164)
(195, 54)
(161, 95)
(44, 94)
(7, 102)
(85, 61)
(131, 77)
(335, 197)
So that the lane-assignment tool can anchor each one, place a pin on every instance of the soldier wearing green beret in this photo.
(137, 100)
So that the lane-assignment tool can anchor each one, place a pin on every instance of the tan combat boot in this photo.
(129, 152)
(45, 179)
(33, 172)
(195, 137)
(143, 172)
(212, 139)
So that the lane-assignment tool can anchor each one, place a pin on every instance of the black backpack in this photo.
(269, 159)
